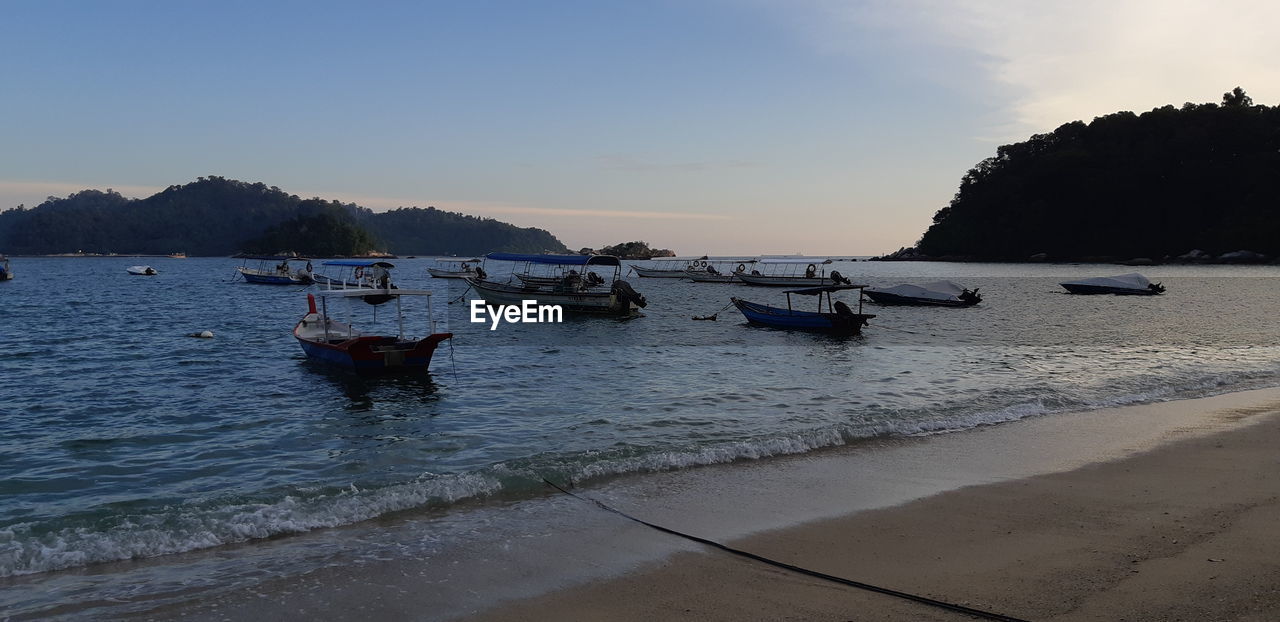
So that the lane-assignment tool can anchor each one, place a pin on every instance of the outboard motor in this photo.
(840, 279)
(970, 297)
(594, 279)
(1156, 288)
(480, 273)
(626, 295)
(842, 308)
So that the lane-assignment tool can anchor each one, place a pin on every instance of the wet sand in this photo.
(1166, 511)
(1186, 530)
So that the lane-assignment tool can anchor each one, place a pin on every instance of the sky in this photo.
(820, 127)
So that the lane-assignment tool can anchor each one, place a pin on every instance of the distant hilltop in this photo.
(1200, 183)
(214, 216)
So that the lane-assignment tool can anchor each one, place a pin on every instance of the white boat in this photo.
(573, 292)
(719, 270)
(354, 274)
(276, 270)
(5, 272)
(937, 293)
(141, 270)
(463, 270)
(328, 340)
(1131, 284)
(794, 272)
(665, 268)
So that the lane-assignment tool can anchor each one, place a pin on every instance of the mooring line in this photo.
(805, 571)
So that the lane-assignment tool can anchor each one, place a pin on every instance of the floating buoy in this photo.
(204, 334)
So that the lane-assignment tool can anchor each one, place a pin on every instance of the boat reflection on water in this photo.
(390, 393)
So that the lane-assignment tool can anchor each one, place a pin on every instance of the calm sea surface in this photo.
(123, 438)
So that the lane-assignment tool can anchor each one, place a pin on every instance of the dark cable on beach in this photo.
(805, 571)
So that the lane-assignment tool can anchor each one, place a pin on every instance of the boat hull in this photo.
(657, 273)
(594, 302)
(777, 317)
(263, 277)
(894, 299)
(1077, 288)
(450, 274)
(785, 281)
(707, 277)
(374, 354)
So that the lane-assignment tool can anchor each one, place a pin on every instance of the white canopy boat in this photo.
(573, 292)
(937, 293)
(1132, 284)
(794, 272)
(666, 268)
(462, 270)
(141, 270)
(719, 270)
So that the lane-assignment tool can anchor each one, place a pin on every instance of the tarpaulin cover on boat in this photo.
(937, 290)
(1133, 280)
(561, 260)
(359, 263)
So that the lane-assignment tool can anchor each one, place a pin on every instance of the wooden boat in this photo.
(718, 270)
(837, 319)
(937, 293)
(462, 271)
(141, 270)
(354, 274)
(6, 273)
(573, 291)
(665, 268)
(338, 343)
(1131, 284)
(793, 272)
(276, 270)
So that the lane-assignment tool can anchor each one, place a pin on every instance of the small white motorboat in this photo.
(937, 293)
(141, 270)
(1132, 284)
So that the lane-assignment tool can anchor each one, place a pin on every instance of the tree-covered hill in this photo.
(1156, 185)
(216, 216)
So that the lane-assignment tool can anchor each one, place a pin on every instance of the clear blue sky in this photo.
(707, 126)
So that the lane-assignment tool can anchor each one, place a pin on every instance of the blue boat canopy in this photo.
(561, 260)
(814, 291)
(273, 258)
(358, 263)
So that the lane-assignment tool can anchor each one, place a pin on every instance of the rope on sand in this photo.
(804, 571)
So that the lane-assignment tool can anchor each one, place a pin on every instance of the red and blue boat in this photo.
(838, 319)
(338, 343)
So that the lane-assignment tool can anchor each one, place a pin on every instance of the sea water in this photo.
(124, 441)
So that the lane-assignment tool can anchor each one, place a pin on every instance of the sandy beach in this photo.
(1183, 531)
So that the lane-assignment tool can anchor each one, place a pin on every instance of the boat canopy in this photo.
(274, 258)
(359, 263)
(1133, 280)
(561, 260)
(369, 291)
(826, 289)
(937, 290)
(795, 260)
(455, 260)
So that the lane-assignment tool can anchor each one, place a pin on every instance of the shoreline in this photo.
(559, 558)
(1181, 530)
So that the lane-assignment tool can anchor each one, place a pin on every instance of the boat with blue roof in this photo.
(838, 319)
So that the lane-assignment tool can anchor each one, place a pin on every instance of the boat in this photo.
(1131, 284)
(937, 293)
(786, 272)
(354, 274)
(718, 270)
(276, 270)
(141, 270)
(577, 290)
(838, 319)
(6, 273)
(661, 271)
(339, 343)
(463, 271)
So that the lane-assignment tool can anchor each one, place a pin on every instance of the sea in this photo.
(142, 468)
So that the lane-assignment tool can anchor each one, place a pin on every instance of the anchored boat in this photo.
(718, 270)
(354, 274)
(463, 270)
(141, 270)
(837, 319)
(339, 343)
(1132, 284)
(793, 272)
(5, 272)
(276, 270)
(937, 293)
(666, 268)
(576, 288)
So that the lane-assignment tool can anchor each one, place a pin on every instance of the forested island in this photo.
(1196, 183)
(215, 216)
